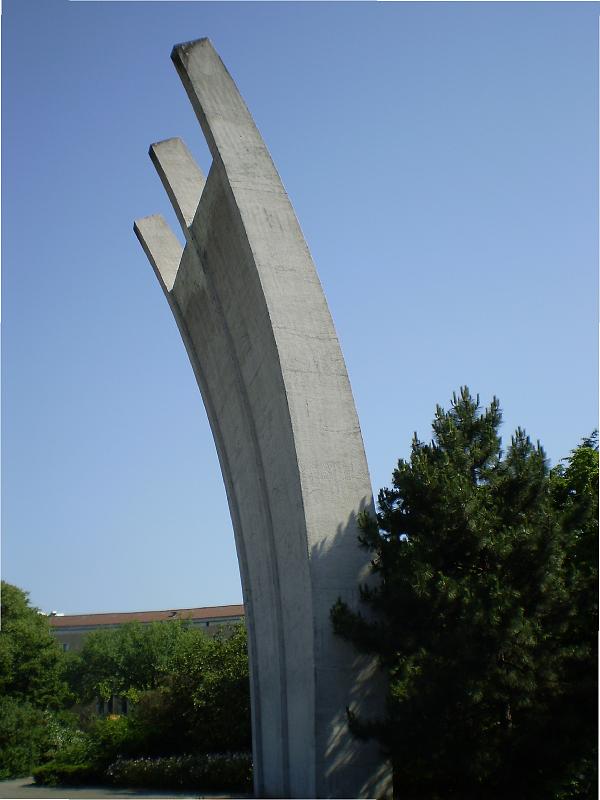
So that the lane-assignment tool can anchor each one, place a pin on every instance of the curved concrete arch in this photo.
(253, 317)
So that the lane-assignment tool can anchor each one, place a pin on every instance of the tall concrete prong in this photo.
(262, 344)
(181, 176)
(161, 247)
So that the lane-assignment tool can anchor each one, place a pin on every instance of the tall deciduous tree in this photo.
(210, 690)
(190, 690)
(31, 683)
(485, 614)
(125, 660)
(31, 666)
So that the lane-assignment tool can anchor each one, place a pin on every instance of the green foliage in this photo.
(64, 741)
(22, 737)
(57, 773)
(157, 726)
(209, 772)
(30, 736)
(110, 738)
(31, 683)
(484, 612)
(187, 690)
(574, 486)
(203, 700)
(124, 661)
(31, 666)
(82, 757)
(209, 690)
(85, 756)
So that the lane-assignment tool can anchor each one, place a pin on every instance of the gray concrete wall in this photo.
(254, 320)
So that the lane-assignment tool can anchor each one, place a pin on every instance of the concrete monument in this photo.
(255, 323)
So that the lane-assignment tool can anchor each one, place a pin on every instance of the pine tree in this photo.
(483, 615)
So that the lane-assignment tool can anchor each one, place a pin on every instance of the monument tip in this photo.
(182, 48)
(157, 145)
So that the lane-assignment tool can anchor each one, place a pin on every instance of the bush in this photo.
(55, 773)
(210, 690)
(30, 737)
(158, 726)
(208, 772)
(84, 757)
(23, 737)
(112, 737)
(64, 741)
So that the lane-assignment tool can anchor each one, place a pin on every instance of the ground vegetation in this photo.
(186, 693)
(183, 692)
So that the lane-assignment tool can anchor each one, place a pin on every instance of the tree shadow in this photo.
(355, 681)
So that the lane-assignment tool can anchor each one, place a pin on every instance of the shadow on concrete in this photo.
(365, 683)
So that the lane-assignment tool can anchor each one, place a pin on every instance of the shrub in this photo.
(210, 690)
(208, 772)
(30, 737)
(23, 737)
(55, 773)
(84, 757)
(112, 737)
(64, 741)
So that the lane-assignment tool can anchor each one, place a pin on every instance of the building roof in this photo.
(119, 618)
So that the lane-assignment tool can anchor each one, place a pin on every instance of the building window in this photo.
(66, 646)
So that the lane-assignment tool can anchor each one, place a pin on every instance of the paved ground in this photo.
(26, 788)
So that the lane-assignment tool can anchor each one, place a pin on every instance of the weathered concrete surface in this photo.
(254, 320)
(23, 788)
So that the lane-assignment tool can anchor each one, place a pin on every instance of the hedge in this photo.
(207, 772)
(56, 774)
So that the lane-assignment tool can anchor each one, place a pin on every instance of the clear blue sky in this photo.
(442, 161)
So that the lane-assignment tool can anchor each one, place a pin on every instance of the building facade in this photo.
(71, 630)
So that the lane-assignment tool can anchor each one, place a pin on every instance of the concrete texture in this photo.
(253, 317)
(23, 788)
